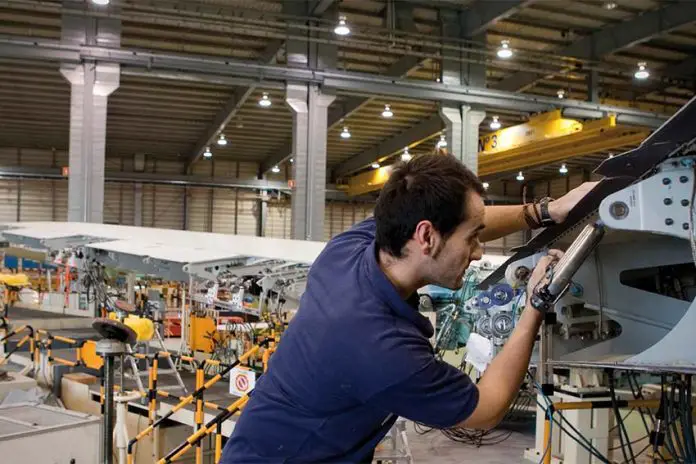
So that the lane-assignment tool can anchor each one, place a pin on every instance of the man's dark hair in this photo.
(431, 188)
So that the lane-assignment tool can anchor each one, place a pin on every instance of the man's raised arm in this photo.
(505, 220)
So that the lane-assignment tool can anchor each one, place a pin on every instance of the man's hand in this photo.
(539, 277)
(559, 209)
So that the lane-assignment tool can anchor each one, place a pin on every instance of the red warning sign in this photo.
(241, 382)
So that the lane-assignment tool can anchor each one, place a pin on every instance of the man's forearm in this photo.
(501, 381)
(504, 220)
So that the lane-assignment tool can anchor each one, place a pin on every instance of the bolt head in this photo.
(685, 226)
(685, 202)
(666, 181)
(669, 221)
(683, 179)
(668, 201)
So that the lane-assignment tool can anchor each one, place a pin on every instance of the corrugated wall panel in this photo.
(127, 194)
(113, 213)
(224, 168)
(41, 158)
(248, 170)
(246, 212)
(9, 157)
(60, 200)
(558, 187)
(328, 212)
(541, 190)
(8, 200)
(224, 201)
(112, 164)
(169, 167)
(575, 180)
(203, 168)
(339, 218)
(169, 207)
(36, 202)
(199, 209)
(278, 220)
(148, 207)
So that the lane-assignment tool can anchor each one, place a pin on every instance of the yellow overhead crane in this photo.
(545, 138)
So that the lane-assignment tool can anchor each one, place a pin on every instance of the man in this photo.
(356, 356)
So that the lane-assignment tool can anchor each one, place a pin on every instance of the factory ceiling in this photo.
(576, 46)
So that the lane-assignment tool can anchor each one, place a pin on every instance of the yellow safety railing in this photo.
(214, 426)
(30, 337)
(197, 396)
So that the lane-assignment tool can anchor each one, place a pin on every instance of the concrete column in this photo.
(309, 108)
(90, 85)
(309, 127)
(138, 166)
(462, 126)
(462, 122)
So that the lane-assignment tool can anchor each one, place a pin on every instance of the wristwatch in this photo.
(545, 220)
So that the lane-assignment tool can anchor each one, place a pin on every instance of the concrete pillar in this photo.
(462, 126)
(458, 68)
(309, 127)
(309, 108)
(138, 166)
(90, 85)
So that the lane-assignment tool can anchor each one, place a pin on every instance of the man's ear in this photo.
(426, 237)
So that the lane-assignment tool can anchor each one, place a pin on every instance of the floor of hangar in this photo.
(435, 448)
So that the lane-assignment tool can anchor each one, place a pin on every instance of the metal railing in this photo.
(214, 426)
(198, 397)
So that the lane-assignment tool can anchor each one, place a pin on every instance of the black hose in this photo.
(587, 445)
(617, 414)
(672, 419)
(685, 393)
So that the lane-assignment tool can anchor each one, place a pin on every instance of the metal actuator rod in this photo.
(560, 274)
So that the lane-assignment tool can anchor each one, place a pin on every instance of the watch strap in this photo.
(546, 219)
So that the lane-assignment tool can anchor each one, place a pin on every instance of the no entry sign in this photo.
(242, 381)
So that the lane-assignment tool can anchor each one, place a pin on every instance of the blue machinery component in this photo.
(490, 313)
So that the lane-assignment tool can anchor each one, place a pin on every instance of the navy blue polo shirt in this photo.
(354, 358)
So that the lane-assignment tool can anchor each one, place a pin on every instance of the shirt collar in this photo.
(389, 294)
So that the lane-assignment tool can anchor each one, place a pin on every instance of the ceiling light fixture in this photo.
(561, 94)
(642, 71)
(222, 141)
(610, 5)
(342, 28)
(275, 169)
(504, 51)
(486, 185)
(520, 176)
(265, 101)
(387, 113)
(495, 124)
(346, 133)
(442, 143)
(406, 156)
(100, 2)
(375, 165)
(207, 154)
(611, 155)
(563, 169)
